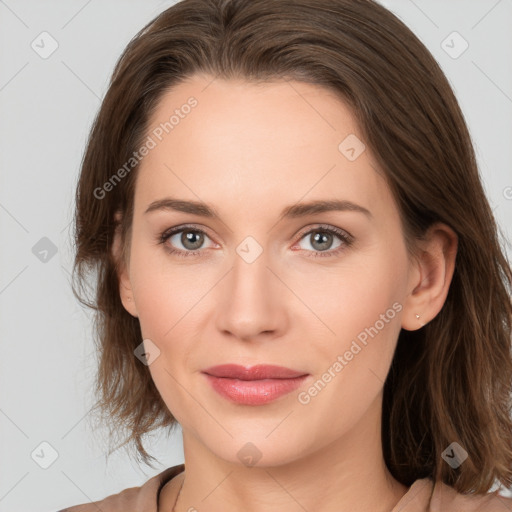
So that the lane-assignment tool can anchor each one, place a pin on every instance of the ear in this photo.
(430, 276)
(125, 286)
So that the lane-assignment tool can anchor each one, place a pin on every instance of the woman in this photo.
(297, 263)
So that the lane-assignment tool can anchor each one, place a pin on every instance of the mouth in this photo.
(256, 385)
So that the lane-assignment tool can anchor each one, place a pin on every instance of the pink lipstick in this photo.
(256, 385)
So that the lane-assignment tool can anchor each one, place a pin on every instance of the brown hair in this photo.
(451, 379)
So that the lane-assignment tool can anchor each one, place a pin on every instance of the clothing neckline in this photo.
(166, 476)
(416, 490)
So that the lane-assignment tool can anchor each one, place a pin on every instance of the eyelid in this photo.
(183, 227)
(166, 234)
(327, 227)
(300, 234)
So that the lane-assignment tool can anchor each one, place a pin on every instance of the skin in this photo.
(250, 150)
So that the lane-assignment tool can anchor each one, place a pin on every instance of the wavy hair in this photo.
(448, 381)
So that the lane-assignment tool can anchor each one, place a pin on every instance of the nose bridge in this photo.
(251, 278)
(251, 299)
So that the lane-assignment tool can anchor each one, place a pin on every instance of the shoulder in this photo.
(134, 499)
(424, 496)
(447, 498)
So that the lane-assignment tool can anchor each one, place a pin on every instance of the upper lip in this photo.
(257, 372)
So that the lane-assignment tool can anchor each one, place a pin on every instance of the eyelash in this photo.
(345, 238)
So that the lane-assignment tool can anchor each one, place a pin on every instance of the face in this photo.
(263, 280)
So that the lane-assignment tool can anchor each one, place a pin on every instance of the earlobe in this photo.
(127, 299)
(430, 281)
(125, 287)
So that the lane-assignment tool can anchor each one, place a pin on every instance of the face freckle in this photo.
(243, 156)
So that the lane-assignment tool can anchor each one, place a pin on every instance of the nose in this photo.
(252, 300)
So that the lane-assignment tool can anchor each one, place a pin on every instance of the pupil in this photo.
(188, 237)
(322, 238)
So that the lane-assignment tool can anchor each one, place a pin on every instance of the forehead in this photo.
(243, 143)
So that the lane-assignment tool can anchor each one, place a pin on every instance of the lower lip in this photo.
(254, 392)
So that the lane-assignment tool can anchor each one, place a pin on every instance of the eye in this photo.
(192, 239)
(321, 239)
(189, 237)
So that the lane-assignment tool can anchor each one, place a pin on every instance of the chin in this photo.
(256, 448)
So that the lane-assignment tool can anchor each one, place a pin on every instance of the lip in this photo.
(256, 385)
(257, 372)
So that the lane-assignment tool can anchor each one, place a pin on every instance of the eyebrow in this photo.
(293, 211)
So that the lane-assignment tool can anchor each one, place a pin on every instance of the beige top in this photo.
(422, 496)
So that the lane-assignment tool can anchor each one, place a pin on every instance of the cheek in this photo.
(162, 291)
(163, 300)
(353, 296)
(362, 305)
(353, 367)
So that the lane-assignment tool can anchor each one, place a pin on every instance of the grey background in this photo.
(47, 107)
